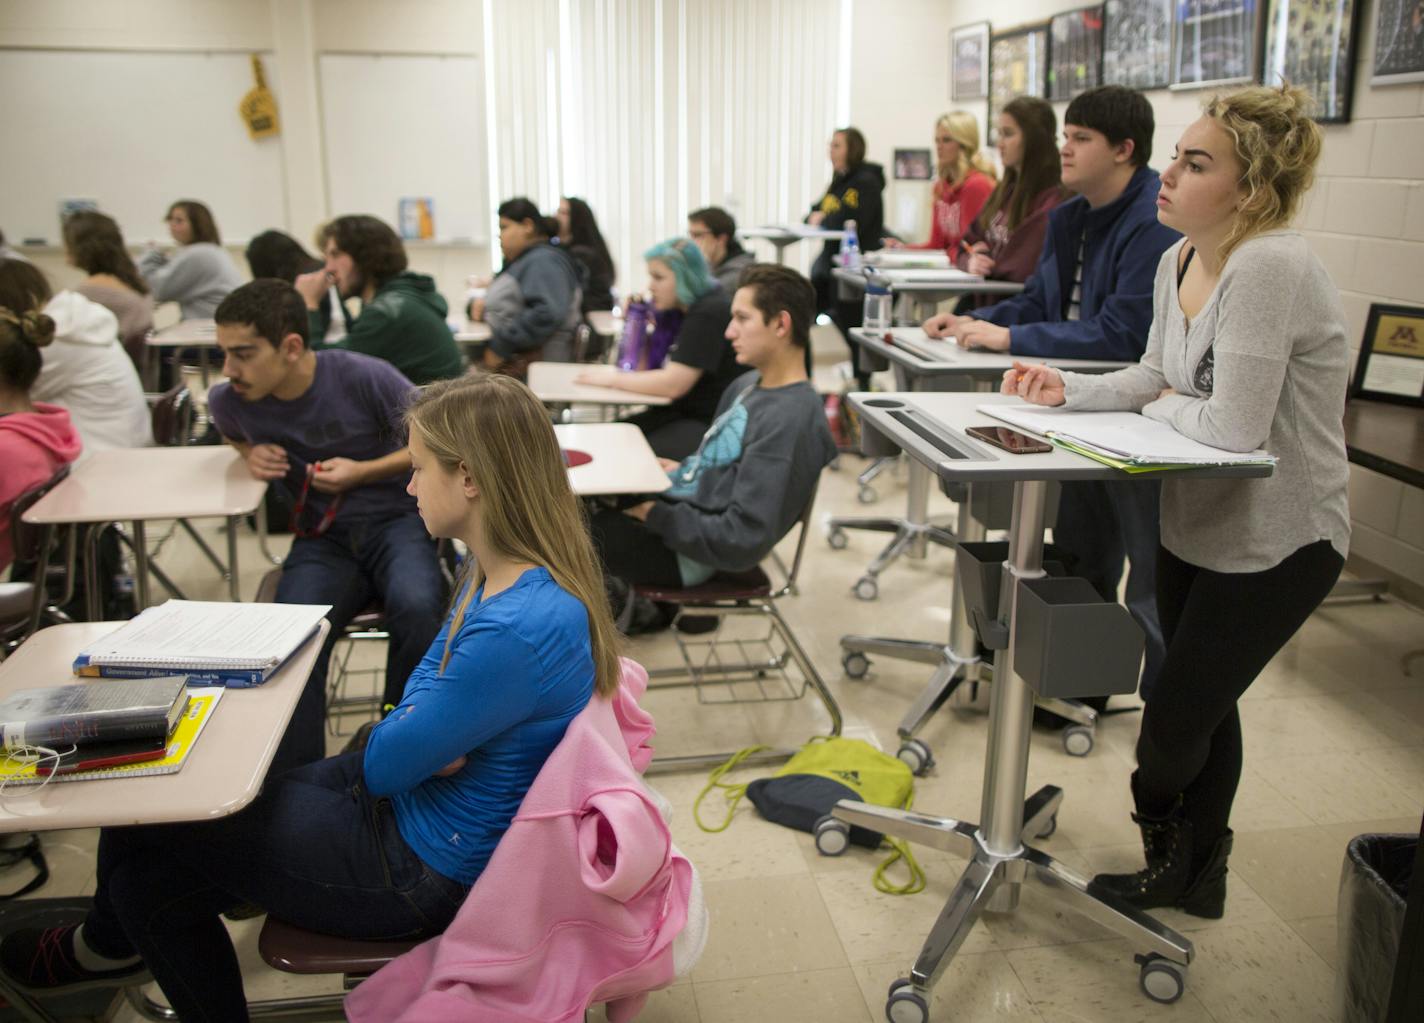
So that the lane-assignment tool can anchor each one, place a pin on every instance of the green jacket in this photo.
(404, 323)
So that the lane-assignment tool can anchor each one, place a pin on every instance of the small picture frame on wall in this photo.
(1075, 52)
(1018, 66)
(969, 62)
(1391, 363)
(1311, 44)
(1399, 42)
(1137, 43)
(1214, 43)
(913, 165)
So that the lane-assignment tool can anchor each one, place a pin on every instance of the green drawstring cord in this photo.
(731, 793)
(901, 848)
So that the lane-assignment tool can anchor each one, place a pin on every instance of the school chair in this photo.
(743, 671)
(24, 604)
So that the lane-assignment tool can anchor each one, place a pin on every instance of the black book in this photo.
(58, 717)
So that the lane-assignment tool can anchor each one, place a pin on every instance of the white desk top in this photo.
(929, 426)
(605, 323)
(930, 282)
(553, 382)
(133, 484)
(469, 331)
(790, 233)
(911, 346)
(623, 463)
(222, 774)
(185, 333)
(902, 259)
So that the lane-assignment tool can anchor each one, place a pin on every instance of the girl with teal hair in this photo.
(693, 310)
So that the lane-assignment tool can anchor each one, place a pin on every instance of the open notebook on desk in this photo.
(212, 642)
(1124, 440)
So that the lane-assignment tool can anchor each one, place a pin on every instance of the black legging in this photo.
(1220, 629)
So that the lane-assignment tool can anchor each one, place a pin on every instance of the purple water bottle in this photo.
(635, 332)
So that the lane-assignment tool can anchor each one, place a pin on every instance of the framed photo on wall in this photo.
(1137, 43)
(913, 165)
(1391, 363)
(969, 62)
(1075, 52)
(1018, 66)
(1214, 43)
(1399, 42)
(1311, 44)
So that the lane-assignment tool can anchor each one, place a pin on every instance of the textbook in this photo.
(15, 770)
(1124, 440)
(212, 642)
(75, 715)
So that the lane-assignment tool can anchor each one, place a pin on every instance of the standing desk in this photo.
(924, 365)
(781, 237)
(930, 429)
(138, 485)
(926, 288)
(223, 774)
(199, 334)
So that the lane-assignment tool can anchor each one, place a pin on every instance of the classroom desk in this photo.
(925, 365)
(605, 323)
(926, 288)
(929, 428)
(622, 462)
(553, 383)
(199, 334)
(782, 236)
(138, 485)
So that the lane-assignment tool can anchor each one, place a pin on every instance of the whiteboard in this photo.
(134, 131)
(406, 127)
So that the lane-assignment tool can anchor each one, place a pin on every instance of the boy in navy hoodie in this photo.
(1091, 298)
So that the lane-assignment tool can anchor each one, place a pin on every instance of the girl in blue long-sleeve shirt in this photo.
(383, 843)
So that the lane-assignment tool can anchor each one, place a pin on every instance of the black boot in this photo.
(1167, 846)
(1206, 895)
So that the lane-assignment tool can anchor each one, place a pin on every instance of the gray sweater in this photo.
(198, 278)
(729, 271)
(749, 481)
(1264, 365)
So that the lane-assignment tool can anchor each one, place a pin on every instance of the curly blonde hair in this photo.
(1277, 145)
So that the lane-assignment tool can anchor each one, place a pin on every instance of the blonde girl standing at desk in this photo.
(1247, 350)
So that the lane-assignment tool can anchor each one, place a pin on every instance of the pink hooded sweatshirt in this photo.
(580, 903)
(33, 445)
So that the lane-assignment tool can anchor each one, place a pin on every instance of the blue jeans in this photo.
(314, 849)
(1100, 523)
(350, 566)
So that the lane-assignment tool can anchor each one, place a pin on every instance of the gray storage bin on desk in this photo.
(1071, 643)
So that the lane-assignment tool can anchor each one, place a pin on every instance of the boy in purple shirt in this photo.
(326, 426)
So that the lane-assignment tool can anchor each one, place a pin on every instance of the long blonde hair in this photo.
(962, 126)
(1277, 145)
(501, 434)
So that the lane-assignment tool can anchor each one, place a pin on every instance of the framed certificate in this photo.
(969, 62)
(1391, 363)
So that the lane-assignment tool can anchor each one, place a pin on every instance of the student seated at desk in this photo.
(35, 439)
(385, 843)
(715, 232)
(1091, 298)
(1004, 241)
(402, 315)
(581, 238)
(94, 244)
(758, 464)
(1247, 350)
(963, 184)
(323, 426)
(86, 369)
(200, 273)
(700, 364)
(534, 304)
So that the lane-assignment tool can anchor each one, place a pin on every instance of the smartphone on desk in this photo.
(1012, 441)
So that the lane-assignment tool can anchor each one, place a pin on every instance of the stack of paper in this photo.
(905, 258)
(1123, 440)
(916, 275)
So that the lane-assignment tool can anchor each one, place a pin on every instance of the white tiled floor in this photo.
(1334, 747)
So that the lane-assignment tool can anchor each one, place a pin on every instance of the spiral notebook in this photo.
(210, 641)
(201, 703)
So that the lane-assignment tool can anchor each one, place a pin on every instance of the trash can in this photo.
(1374, 886)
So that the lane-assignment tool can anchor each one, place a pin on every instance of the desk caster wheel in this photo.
(1049, 827)
(1161, 979)
(832, 836)
(836, 539)
(915, 755)
(866, 588)
(866, 495)
(904, 1005)
(855, 664)
(1078, 740)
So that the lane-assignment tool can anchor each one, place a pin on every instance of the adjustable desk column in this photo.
(931, 429)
